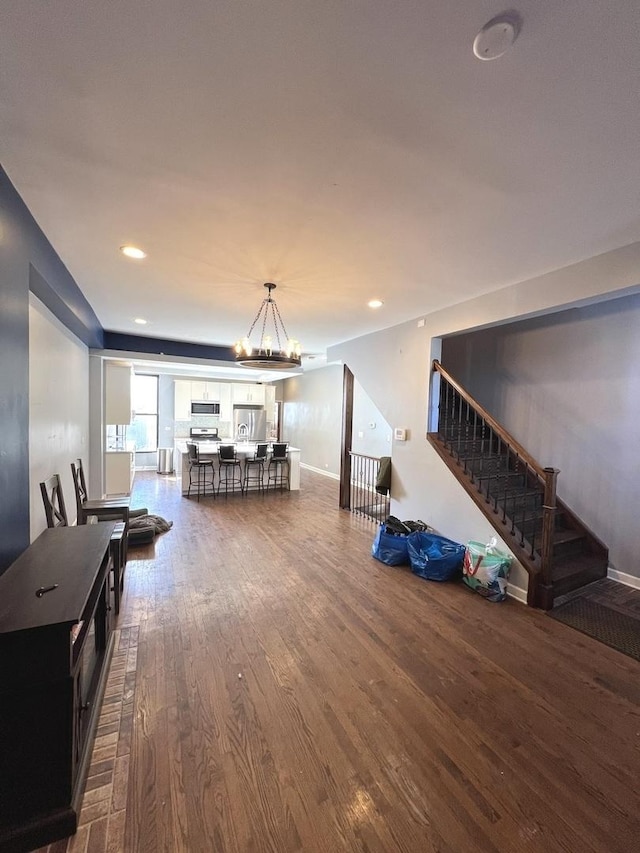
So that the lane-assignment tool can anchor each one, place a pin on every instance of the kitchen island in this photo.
(244, 450)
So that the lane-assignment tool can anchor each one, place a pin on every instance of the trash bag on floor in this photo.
(390, 544)
(486, 570)
(390, 547)
(434, 557)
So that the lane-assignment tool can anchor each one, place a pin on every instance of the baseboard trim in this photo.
(320, 471)
(517, 593)
(624, 578)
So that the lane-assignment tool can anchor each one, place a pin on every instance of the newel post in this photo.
(347, 430)
(548, 527)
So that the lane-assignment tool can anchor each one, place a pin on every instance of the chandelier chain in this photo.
(256, 318)
(275, 308)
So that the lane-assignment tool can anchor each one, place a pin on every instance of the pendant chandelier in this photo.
(268, 354)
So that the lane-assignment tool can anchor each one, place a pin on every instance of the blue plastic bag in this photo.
(434, 557)
(390, 548)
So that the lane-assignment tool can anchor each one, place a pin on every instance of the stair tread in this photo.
(497, 475)
(577, 565)
(566, 534)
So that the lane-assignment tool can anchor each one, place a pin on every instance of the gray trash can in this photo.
(165, 460)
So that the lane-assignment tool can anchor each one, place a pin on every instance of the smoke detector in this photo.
(497, 36)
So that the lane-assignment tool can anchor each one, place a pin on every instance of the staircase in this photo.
(517, 495)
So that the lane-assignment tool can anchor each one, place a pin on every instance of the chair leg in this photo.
(254, 473)
(235, 479)
(118, 565)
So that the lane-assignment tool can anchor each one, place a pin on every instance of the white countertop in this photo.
(212, 446)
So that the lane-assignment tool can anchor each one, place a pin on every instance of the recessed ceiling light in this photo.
(375, 303)
(140, 321)
(133, 252)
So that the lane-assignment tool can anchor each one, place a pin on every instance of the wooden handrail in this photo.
(364, 456)
(499, 430)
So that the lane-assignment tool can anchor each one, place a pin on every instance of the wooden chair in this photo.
(56, 514)
(104, 508)
(53, 500)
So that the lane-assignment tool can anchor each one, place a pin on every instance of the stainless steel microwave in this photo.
(204, 407)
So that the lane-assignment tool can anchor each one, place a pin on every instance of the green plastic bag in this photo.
(486, 570)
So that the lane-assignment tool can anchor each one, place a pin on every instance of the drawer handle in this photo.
(41, 591)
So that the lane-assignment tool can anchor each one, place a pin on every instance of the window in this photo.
(144, 402)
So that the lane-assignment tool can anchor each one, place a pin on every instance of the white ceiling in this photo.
(344, 149)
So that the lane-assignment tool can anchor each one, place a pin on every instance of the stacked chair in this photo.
(56, 514)
(107, 509)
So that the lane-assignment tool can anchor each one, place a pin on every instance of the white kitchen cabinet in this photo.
(247, 393)
(207, 391)
(118, 473)
(225, 402)
(117, 393)
(182, 409)
(213, 391)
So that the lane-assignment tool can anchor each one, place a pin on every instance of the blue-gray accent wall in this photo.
(27, 261)
(162, 346)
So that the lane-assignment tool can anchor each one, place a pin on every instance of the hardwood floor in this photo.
(293, 694)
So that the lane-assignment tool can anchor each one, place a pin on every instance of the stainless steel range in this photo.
(204, 434)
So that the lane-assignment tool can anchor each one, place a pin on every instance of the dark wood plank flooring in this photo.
(293, 694)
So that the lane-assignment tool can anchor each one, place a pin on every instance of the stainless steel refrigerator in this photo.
(249, 423)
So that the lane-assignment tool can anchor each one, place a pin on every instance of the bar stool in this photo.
(278, 470)
(230, 473)
(201, 466)
(254, 468)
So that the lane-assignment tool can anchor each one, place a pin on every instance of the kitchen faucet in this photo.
(243, 432)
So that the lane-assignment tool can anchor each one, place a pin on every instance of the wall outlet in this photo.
(360, 434)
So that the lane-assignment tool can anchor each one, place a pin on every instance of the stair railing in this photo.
(364, 499)
(482, 446)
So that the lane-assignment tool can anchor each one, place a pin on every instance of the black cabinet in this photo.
(55, 645)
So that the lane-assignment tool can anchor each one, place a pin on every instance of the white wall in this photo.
(371, 432)
(312, 417)
(398, 378)
(568, 388)
(58, 408)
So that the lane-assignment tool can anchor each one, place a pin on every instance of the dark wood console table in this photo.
(55, 646)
